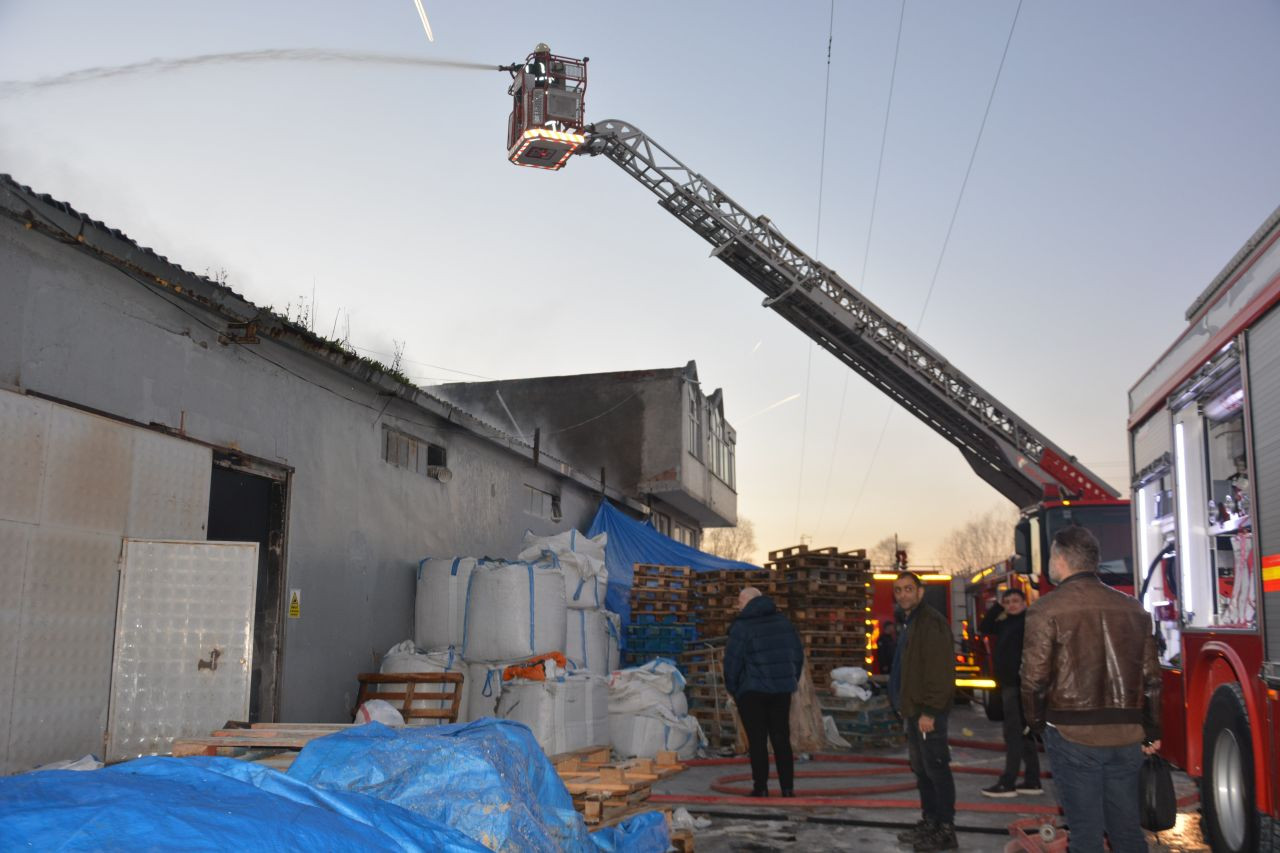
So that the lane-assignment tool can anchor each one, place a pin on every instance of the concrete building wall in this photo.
(77, 330)
(637, 422)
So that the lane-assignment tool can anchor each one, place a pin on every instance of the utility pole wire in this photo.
(973, 155)
(817, 242)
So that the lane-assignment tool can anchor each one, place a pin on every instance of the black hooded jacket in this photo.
(764, 653)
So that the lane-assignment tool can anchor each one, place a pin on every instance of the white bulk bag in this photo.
(403, 657)
(613, 641)
(645, 735)
(514, 611)
(484, 688)
(586, 579)
(657, 685)
(564, 714)
(591, 640)
(440, 601)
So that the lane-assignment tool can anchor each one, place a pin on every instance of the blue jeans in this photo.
(931, 762)
(1098, 790)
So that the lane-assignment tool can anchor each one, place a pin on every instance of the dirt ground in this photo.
(767, 827)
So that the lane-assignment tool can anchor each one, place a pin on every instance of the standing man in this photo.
(762, 667)
(1091, 681)
(887, 648)
(921, 689)
(1005, 622)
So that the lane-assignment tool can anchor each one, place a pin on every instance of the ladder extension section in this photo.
(1002, 448)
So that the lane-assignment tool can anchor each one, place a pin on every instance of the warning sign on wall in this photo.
(295, 604)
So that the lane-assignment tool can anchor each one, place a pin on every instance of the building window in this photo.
(696, 405)
(662, 523)
(405, 451)
(683, 534)
(542, 504)
(720, 450)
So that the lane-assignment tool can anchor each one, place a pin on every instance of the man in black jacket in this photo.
(1004, 622)
(762, 667)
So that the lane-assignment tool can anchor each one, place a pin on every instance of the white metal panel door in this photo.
(184, 642)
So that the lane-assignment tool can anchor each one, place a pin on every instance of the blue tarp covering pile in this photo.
(631, 542)
(469, 787)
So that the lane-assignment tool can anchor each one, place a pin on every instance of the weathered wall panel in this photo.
(357, 526)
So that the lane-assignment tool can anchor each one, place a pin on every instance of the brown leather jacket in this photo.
(1089, 658)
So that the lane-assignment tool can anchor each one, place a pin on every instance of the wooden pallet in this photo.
(651, 570)
(606, 792)
(237, 739)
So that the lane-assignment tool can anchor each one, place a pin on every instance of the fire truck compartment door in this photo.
(1263, 358)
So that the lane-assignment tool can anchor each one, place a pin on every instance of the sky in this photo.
(1128, 151)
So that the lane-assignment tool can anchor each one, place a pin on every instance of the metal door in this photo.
(184, 640)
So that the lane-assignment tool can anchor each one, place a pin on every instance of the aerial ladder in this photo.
(1048, 485)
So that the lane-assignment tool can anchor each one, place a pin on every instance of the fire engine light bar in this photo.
(545, 149)
(978, 683)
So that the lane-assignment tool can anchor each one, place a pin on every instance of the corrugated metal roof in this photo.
(59, 220)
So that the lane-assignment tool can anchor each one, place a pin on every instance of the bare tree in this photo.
(883, 554)
(732, 543)
(982, 541)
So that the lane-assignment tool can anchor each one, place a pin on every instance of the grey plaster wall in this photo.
(78, 330)
(635, 422)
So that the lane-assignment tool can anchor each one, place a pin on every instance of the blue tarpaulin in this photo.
(489, 778)
(462, 788)
(204, 804)
(631, 542)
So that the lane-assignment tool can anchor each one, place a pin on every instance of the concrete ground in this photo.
(766, 827)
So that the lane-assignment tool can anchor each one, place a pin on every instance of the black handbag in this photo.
(1157, 803)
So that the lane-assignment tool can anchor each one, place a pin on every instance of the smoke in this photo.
(153, 66)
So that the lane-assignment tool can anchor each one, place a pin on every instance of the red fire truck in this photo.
(1204, 442)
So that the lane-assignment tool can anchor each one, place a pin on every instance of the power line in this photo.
(866, 252)
(942, 254)
(817, 242)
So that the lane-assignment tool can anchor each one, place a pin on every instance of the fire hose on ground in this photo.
(1034, 831)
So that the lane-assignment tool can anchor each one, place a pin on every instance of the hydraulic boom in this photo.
(546, 128)
(1002, 448)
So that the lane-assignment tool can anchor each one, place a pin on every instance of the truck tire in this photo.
(1226, 789)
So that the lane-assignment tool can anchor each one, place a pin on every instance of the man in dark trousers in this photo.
(1004, 623)
(921, 689)
(887, 647)
(1091, 681)
(762, 667)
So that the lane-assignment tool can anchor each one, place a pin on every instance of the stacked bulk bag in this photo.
(405, 658)
(513, 611)
(586, 580)
(483, 688)
(592, 640)
(648, 712)
(440, 602)
(566, 713)
(645, 735)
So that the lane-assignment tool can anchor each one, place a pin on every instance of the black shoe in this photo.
(1000, 789)
(759, 792)
(941, 836)
(1030, 788)
(915, 833)
(787, 792)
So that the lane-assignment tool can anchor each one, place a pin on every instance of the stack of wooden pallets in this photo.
(827, 595)
(708, 699)
(662, 623)
(606, 792)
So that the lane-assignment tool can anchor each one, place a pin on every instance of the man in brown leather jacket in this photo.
(1091, 681)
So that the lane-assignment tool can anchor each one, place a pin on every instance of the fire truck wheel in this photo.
(1226, 789)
